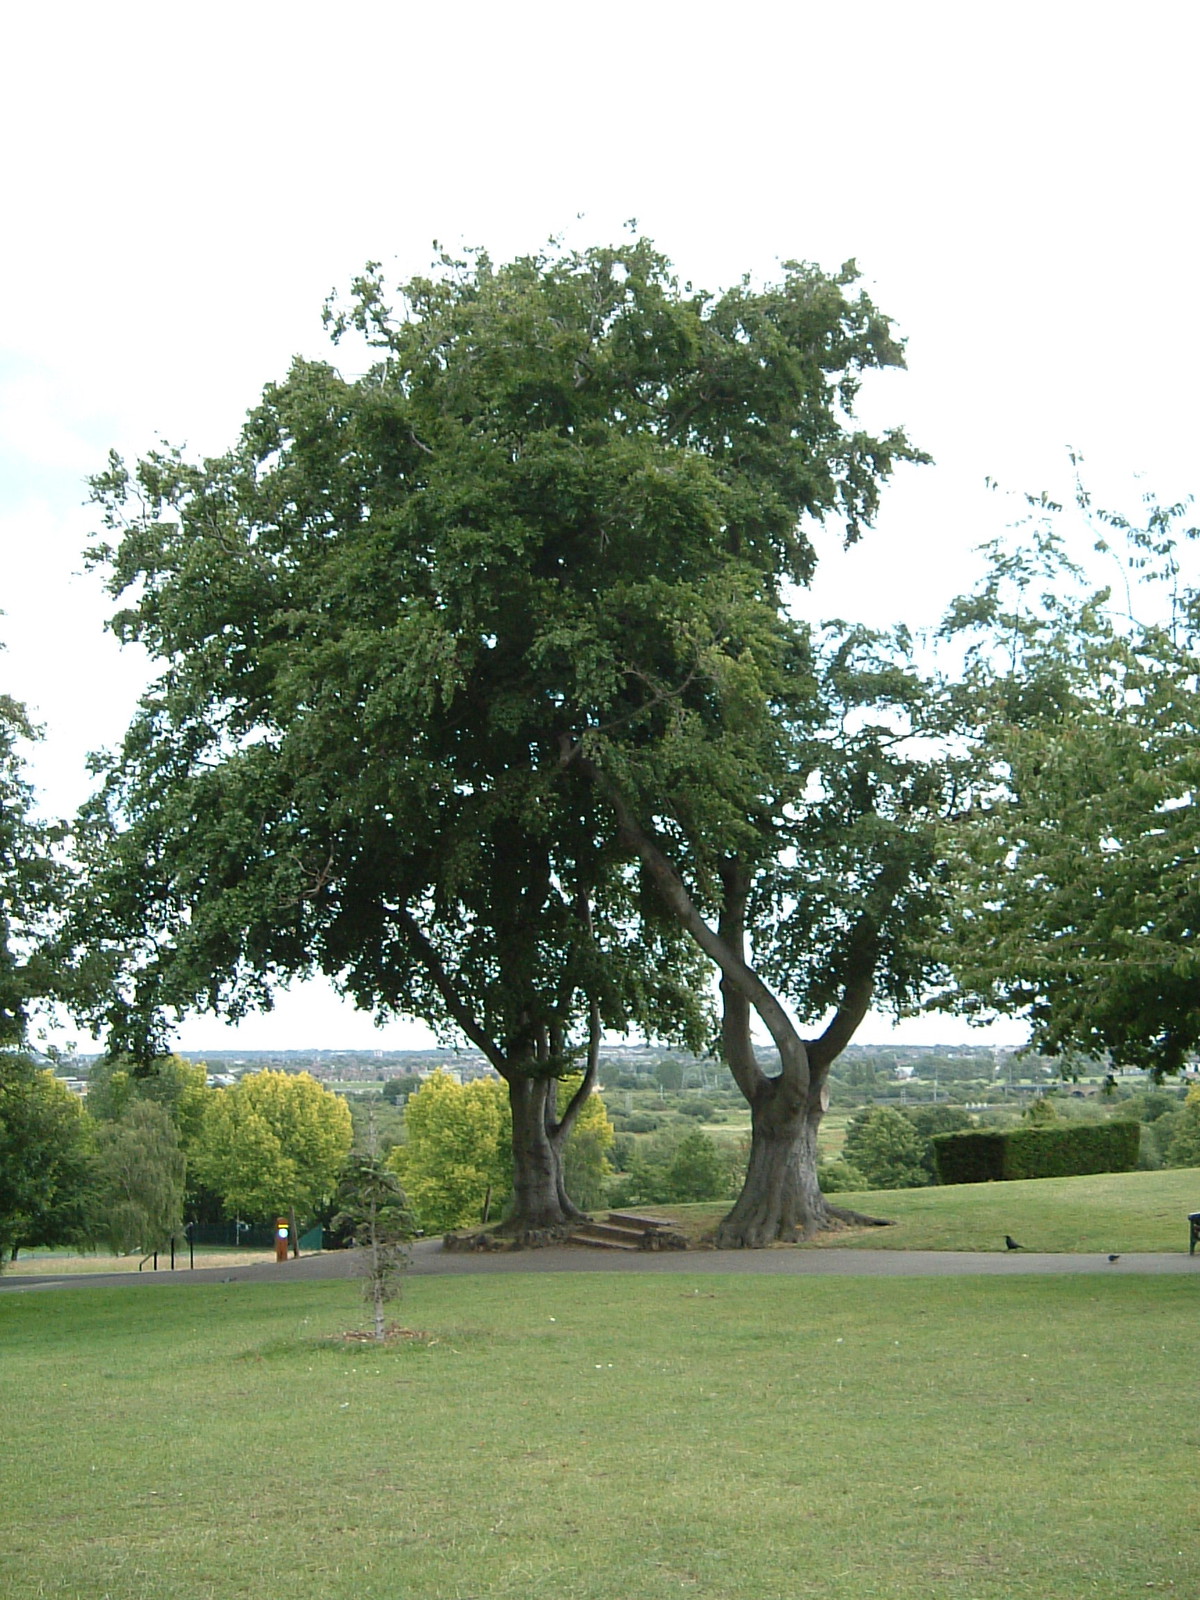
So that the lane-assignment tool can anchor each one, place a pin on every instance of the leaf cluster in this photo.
(1078, 860)
(34, 882)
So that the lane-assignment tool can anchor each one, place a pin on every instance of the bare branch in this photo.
(429, 959)
(579, 1099)
(733, 968)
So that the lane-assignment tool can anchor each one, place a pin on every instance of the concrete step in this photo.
(602, 1237)
(609, 1230)
(628, 1219)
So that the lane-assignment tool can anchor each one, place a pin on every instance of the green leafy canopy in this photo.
(565, 487)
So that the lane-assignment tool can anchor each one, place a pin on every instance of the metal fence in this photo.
(250, 1236)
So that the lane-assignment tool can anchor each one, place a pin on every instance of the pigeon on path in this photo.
(1011, 1244)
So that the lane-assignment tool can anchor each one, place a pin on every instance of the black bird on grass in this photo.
(1011, 1244)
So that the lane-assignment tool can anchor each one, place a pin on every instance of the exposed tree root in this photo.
(860, 1219)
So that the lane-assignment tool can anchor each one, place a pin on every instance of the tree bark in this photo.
(541, 1204)
(781, 1198)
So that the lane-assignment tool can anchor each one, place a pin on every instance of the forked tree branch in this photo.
(734, 969)
(824, 1050)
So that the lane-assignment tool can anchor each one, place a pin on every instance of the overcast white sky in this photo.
(185, 184)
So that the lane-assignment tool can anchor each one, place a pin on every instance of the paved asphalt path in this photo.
(430, 1259)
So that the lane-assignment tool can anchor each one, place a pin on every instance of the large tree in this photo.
(1079, 863)
(140, 1168)
(785, 805)
(454, 1161)
(46, 1158)
(368, 614)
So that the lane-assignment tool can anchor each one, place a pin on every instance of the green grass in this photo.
(604, 1437)
(1111, 1211)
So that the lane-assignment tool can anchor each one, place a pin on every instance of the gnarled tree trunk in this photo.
(541, 1205)
(542, 1209)
(781, 1198)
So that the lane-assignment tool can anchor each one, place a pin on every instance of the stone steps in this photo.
(605, 1236)
(623, 1230)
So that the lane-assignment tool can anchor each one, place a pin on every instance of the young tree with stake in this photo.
(372, 1208)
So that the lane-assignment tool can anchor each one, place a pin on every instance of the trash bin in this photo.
(281, 1239)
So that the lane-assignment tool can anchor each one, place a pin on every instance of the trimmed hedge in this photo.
(988, 1155)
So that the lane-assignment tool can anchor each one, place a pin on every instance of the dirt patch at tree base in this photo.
(392, 1334)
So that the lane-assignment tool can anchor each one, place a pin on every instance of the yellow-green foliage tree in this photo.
(275, 1143)
(586, 1167)
(456, 1162)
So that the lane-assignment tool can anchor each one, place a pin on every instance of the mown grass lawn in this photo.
(1110, 1211)
(604, 1437)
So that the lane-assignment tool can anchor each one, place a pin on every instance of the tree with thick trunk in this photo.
(795, 812)
(781, 1196)
(376, 614)
(541, 1207)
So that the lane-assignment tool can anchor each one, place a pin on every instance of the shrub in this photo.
(696, 1172)
(1064, 1152)
(676, 1167)
(1055, 1151)
(1151, 1105)
(928, 1120)
(623, 1151)
(1149, 1155)
(1040, 1113)
(839, 1177)
(701, 1109)
(884, 1146)
(976, 1156)
(639, 1122)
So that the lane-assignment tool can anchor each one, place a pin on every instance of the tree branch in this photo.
(733, 968)
(429, 959)
(736, 1043)
(852, 1008)
(859, 986)
(566, 1122)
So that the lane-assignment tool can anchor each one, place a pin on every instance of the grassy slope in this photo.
(605, 1438)
(1119, 1211)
